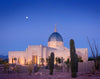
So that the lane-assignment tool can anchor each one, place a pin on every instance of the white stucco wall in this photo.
(43, 52)
(34, 50)
(17, 54)
(83, 52)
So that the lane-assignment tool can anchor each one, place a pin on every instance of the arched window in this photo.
(12, 61)
(19, 60)
(25, 61)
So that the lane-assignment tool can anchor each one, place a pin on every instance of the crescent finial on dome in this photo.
(55, 28)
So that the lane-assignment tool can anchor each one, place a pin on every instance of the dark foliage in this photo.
(67, 62)
(58, 60)
(80, 59)
(3, 61)
(90, 59)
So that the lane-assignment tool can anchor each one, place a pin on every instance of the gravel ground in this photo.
(45, 75)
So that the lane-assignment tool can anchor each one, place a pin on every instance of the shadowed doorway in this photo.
(34, 59)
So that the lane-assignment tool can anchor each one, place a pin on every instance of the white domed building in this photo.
(35, 53)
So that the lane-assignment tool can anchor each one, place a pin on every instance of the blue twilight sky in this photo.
(75, 19)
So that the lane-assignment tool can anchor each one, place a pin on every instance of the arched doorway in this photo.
(19, 60)
(34, 59)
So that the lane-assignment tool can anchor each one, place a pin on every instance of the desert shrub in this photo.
(68, 64)
(1, 61)
(67, 61)
(38, 68)
(58, 68)
(47, 61)
(58, 60)
(93, 69)
(30, 69)
(80, 59)
(42, 61)
(6, 67)
(17, 68)
(90, 59)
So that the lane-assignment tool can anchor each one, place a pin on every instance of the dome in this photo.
(55, 36)
(55, 40)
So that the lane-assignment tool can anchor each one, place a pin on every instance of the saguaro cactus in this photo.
(51, 63)
(74, 59)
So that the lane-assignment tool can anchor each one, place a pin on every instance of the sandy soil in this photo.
(45, 75)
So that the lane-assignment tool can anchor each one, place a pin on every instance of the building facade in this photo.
(35, 53)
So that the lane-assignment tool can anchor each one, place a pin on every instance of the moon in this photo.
(26, 17)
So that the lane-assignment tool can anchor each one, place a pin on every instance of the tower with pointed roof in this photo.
(55, 40)
(55, 28)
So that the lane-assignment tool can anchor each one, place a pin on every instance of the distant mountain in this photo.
(4, 57)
